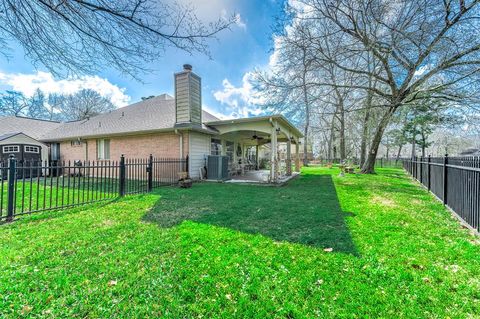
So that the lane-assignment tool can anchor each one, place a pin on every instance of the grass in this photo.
(48, 193)
(220, 250)
(39, 194)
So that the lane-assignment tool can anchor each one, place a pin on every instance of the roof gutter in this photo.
(134, 133)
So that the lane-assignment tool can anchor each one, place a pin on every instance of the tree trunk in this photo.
(399, 152)
(305, 146)
(366, 120)
(340, 114)
(369, 165)
(307, 120)
(342, 134)
(331, 138)
(413, 146)
(424, 142)
(363, 144)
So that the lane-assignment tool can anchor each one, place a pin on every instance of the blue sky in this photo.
(225, 90)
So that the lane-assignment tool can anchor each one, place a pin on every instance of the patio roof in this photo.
(257, 131)
(260, 123)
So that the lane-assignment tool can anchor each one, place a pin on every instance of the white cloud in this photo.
(239, 22)
(241, 101)
(212, 10)
(275, 56)
(238, 19)
(422, 70)
(28, 83)
(215, 113)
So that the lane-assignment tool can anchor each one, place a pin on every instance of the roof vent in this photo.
(187, 67)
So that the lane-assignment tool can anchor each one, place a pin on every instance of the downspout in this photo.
(180, 140)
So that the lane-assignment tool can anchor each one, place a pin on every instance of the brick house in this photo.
(170, 127)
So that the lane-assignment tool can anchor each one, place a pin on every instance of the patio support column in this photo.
(297, 157)
(256, 158)
(235, 145)
(289, 157)
(224, 147)
(273, 155)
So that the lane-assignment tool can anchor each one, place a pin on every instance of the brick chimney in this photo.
(188, 97)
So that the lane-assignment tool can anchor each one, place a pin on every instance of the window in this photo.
(11, 149)
(216, 147)
(32, 149)
(103, 149)
(76, 143)
(55, 151)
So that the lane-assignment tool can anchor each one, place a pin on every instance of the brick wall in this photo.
(134, 146)
(71, 153)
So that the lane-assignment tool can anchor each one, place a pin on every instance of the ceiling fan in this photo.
(256, 137)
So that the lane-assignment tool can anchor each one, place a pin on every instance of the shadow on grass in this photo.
(305, 211)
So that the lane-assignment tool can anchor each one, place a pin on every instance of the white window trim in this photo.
(101, 149)
(16, 149)
(36, 151)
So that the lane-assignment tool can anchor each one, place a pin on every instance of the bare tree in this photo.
(83, 104)
(37, 105)
(13, 103)
(84, 36)
(288, 87)
(54, 107)
(421, 48)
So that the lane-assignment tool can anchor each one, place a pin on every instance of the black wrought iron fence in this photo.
(454, 180)
(33, 186)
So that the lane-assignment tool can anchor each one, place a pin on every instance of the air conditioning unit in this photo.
(217, 167)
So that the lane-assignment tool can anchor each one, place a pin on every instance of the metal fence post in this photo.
(150, 172)
(12, 167)
(421, 169)
(121, 188)
(445, 170)
(429, 171)
(415, 167)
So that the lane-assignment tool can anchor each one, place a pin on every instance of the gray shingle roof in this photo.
(154, 114)
(31, 127)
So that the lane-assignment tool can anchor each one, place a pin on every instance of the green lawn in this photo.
(223, 250)
(39, 194)
(48, 193)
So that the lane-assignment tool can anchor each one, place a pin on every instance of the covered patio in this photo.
(249, 141)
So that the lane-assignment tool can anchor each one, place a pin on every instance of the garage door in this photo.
(26, 154)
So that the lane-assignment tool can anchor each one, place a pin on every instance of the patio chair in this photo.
(247, 164)
(234, 169)
(252, 164)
